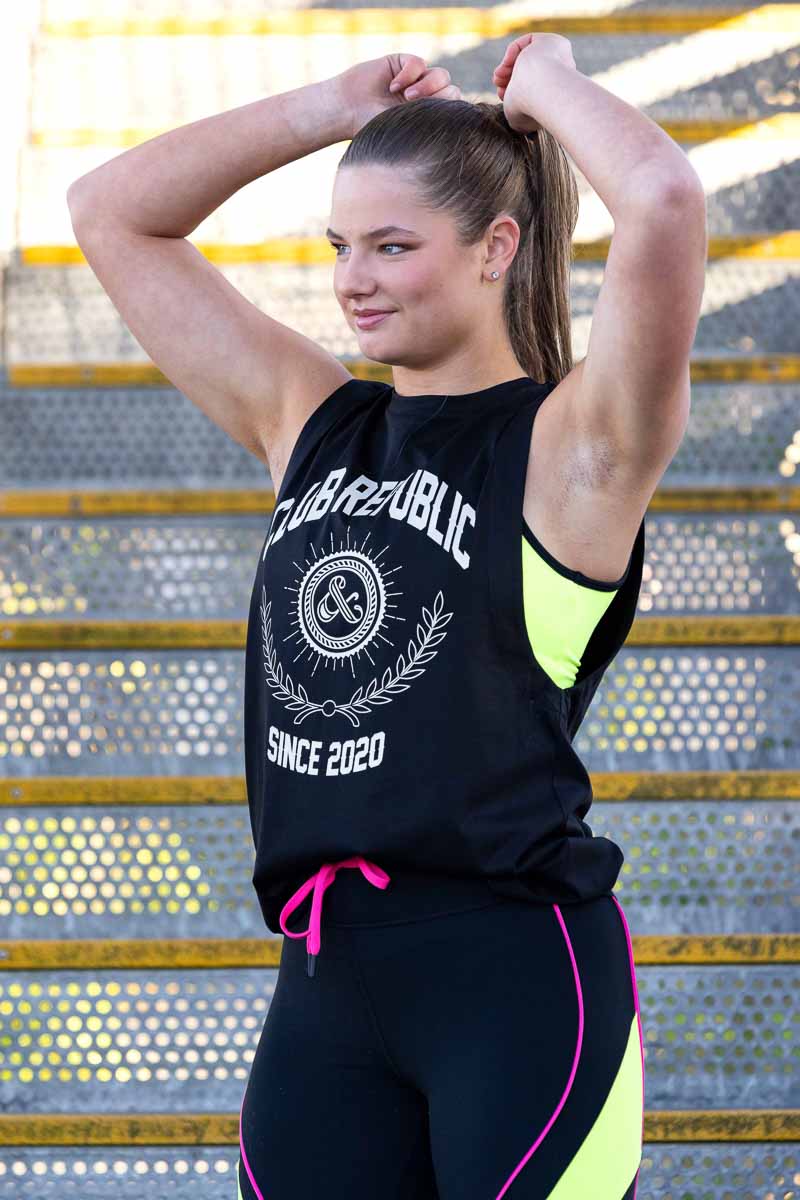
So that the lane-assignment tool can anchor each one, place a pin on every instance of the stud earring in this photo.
(495, 274)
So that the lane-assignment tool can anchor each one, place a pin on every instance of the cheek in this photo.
(424, 288)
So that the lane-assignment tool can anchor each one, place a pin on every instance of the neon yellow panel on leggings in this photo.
(611, 1152)
(560, 613)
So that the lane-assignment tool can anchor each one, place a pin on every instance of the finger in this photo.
(402, 84)
(432, 81)
(449, 93)
(517, 46)
(401, 80)
(408, 73)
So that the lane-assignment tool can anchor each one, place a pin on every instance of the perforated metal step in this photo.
(669, 1171)
(691, 867)
(739, 435)
(62, 314)
(155, 1041)
(179, 712)
(171, 568)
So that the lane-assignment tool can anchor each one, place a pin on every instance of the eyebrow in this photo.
(384, 231)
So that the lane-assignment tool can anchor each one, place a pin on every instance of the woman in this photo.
(444, 582)
(473, 1031)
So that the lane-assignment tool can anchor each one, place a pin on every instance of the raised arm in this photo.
(256, 378)
(632, 394)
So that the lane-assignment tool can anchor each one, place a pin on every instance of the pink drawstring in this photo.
(319, 881)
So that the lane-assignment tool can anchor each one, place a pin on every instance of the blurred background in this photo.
(135, 973)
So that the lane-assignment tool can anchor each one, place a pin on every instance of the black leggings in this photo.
(451, 1044)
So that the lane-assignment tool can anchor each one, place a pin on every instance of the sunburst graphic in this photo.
(343, 603)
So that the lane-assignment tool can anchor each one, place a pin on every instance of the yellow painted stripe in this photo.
(123, 1129)
(42, 634)
(723, 1125)
(133, 503)
(119, 635)
(620, 786)
(315, 251)
(749, 368)
(47, 791)
(750, 499)
(756, 368)
(755, 630)
(106, 790)
(73, 954)
(134, 954)
(222, 1129)
(482, 22)
(780, 126)
(120, 503)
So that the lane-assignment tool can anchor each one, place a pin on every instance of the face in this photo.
(445, 312)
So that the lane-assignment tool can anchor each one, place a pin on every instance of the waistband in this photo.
(363, 893)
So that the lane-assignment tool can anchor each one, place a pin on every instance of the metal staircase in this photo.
(135, 970)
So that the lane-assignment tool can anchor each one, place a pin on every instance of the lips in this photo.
(372, 322)
(371, 312)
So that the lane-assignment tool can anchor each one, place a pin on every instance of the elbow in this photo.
(687, 191)
(673, 209)
(72, 199)
(669, 188)
(75, 187)
(78, 191)
(83, 208)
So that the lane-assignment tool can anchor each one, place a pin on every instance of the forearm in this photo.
(624, 155)
(168, 185)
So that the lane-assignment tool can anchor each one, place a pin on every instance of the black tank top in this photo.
(393, 705)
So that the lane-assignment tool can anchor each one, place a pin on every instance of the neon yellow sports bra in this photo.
(562, 608)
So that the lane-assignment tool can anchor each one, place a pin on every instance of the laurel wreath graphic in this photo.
(391, 683)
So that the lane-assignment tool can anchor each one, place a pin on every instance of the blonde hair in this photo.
(465, 159)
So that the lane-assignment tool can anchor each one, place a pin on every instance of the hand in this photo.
(364, 88)
(515, 75)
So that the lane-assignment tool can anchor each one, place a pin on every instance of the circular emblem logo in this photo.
(340, 604)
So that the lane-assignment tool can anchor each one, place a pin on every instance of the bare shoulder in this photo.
(581, 504)
(314, 379)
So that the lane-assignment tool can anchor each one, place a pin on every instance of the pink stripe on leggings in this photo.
(250, 1175)
(575, 1061)
(636, 1006)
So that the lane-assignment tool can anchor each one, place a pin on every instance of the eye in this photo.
(397, 245)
